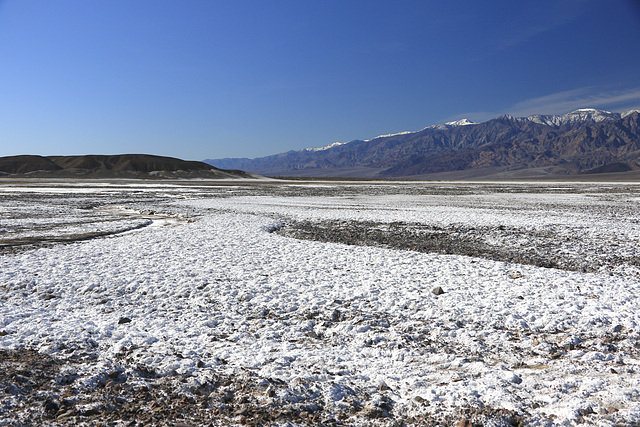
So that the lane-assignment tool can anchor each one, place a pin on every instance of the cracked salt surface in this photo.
(347, 327)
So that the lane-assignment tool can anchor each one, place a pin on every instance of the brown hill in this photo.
(115, 166)
(25, 164)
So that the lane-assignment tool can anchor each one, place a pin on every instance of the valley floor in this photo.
(306, 303)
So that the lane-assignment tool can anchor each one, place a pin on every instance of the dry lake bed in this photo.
(319, 303)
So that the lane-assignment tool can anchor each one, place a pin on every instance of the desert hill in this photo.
(115, 166)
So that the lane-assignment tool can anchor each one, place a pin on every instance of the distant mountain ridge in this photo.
(582, 141)
(115, 166)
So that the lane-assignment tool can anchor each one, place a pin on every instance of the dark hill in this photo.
(115, 166)
(26, 164)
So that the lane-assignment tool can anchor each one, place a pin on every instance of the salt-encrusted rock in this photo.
(383, 386)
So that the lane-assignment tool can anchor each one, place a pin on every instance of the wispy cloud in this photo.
(618, 100)
(537, 21)
(563, 102)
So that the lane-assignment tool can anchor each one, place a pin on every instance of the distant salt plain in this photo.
(210, 289)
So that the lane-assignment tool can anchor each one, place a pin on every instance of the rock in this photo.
(227, 397)
(372, 412)
(123, 320)
(51, 405)
(586, 411)
(67, 414)
(383, 386)
(115, 375)
(92, 411)
(464, 423)
(438, 290)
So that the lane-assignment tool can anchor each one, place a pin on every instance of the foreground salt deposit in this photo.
(353, 333)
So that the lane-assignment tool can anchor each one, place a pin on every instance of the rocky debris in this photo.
(29, 391)
(30, 394)
(124, 320)
(438, 290)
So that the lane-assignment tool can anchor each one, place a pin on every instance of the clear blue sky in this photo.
(200, 79)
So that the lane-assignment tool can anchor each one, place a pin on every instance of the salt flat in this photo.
(196, 287)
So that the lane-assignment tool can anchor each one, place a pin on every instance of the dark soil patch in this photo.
(34, 391)
(545, 249)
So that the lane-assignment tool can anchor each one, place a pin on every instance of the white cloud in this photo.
(587, 97)
(563, 102)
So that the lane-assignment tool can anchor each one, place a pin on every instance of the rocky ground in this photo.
(515, 245)
(39, 390)
(36, 389)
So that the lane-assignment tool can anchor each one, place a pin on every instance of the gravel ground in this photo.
(37, 389)
(542, 248)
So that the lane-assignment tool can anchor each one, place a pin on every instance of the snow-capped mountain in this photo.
(581, 116)
(326, 147)
(628, 113)
(448, 125)
(584, 140)
(577, 117)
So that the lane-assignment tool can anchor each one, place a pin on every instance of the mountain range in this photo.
(116, 166)
(585, 141)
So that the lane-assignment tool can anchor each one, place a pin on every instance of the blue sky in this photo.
(211, 79)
